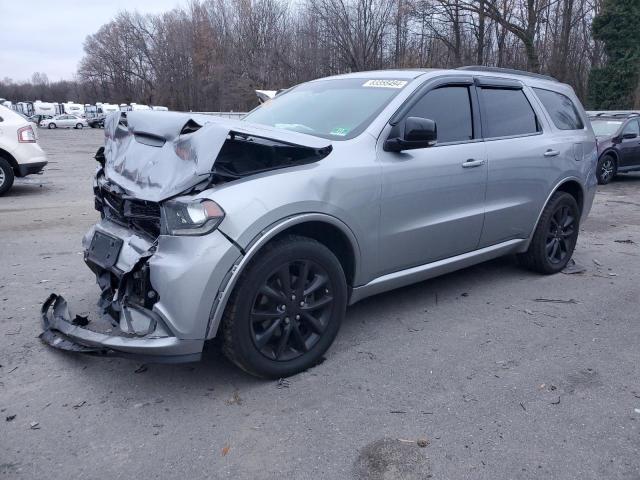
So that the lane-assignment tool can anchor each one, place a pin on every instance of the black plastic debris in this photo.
(81, 320)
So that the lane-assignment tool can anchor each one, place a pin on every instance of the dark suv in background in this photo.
(618, 136)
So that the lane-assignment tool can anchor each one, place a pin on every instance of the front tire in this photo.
(555, 237)
(78, 126)
(286, 308)
(607, 169)
(6, 176)
(52, 125)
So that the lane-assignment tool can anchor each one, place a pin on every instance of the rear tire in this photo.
(287, 329)
(607, 169)
(555, 237)
(6, 176)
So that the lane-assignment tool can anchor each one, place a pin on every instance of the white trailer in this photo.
(44, 108)
(72, 108)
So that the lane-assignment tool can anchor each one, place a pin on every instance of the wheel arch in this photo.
(9, 158)
(326, 229)
(570, 185)
(612, 152)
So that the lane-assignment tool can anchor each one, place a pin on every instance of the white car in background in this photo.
(20, 154)
(64, 121)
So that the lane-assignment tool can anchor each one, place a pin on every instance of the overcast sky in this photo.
(47, 35)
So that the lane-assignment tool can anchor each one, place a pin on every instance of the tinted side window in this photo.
(632, 127)
(561, 109)
(507, 112)
(450, 108)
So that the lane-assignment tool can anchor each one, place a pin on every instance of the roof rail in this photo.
(614, 114)
(511, 71)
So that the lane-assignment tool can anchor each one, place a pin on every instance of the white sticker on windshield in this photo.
(385, 83)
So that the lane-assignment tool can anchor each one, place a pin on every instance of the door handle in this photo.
(551, 153)
(472, 163)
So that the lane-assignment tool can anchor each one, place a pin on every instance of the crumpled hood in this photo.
(156, 155)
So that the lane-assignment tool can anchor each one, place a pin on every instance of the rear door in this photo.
(432, 203)
(519, 166)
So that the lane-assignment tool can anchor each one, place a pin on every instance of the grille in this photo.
(139, 215)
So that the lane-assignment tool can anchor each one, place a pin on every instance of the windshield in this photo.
(334, 109)
(605, 128)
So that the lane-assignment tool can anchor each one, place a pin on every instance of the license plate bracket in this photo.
(104, 250)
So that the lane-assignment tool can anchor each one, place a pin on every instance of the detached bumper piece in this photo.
(150, 341)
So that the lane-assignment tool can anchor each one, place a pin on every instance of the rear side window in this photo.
(450, 108)
(507, 112)
(561, 109)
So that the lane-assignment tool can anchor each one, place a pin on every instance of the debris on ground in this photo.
(573, 268)
(555, 300)
(142, 368)
(34, 425)
(235, 400)
(627, 240)
(225, 450)
(422, 442)
(598, 263)
(80, 404)
(10, 418)
(282, 383)
(557, 402)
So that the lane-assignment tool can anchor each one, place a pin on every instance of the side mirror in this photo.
(418, 133)
(629, 136)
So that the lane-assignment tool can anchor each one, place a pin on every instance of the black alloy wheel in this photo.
(291, 310)
(560, 235)
(555, 235)
(285, 309)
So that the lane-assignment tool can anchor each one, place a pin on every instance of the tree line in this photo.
(211, 55)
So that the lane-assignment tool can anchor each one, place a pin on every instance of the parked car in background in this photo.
(37, 119)
(95, 114)
(64, 121)
(262, 231)
(618, 136)
(20, 154)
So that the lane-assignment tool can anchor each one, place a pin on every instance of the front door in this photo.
(432, 202)
(630, 147)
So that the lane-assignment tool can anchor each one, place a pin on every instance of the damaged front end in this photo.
(158, 274)
(125, 322)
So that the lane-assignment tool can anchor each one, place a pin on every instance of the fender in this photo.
(525, 247)
(230, 280)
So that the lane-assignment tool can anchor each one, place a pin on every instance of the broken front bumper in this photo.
(156, 295)
(65, 332)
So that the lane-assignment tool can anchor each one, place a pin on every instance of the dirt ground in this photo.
(493, 378)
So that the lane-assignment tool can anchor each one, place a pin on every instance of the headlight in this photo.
(197, 217)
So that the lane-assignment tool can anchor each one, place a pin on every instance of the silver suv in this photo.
(262, 231)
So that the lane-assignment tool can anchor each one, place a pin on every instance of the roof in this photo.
(528, 78)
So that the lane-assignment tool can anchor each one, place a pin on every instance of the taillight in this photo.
(26, 135)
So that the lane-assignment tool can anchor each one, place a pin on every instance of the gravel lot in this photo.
(500, 385)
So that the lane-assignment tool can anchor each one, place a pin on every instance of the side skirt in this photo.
(424, 272)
